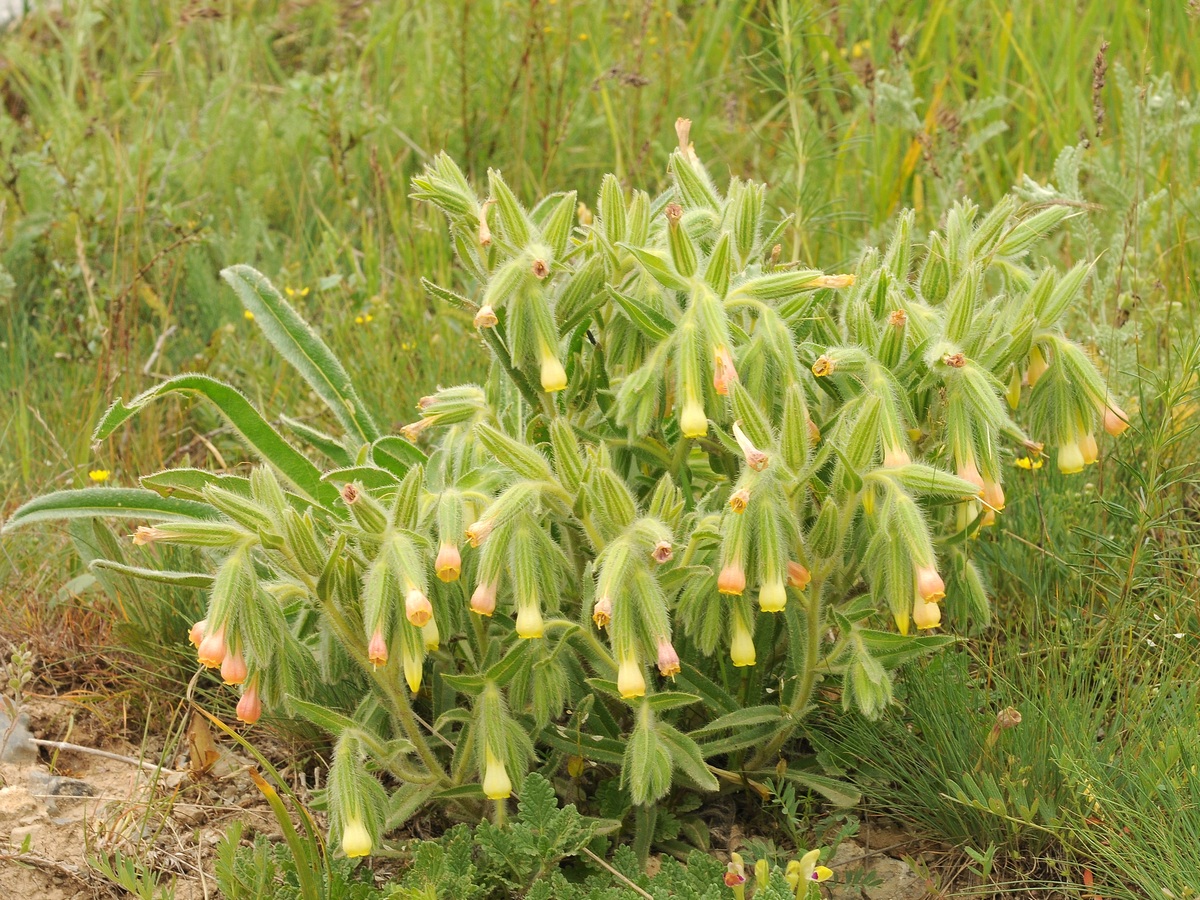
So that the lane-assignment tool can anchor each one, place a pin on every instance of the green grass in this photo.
(144, 145)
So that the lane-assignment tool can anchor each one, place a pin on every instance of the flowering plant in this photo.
(699, 481)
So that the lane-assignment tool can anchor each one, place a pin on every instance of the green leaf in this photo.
(465, 684)
(254, 430)
(190, 483)
(686, 756)
(128, 503)
(371, 477)
(654, 263)
(595, 747)
(740, 740)
(740, 719)
(396, 455)
(405, 801)
(159, 576)
(649, 321)
(839, 793)
(671, 700)
(303, 348)
(318, 440)
(892, 649)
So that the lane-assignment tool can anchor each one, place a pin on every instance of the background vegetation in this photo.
(146, 144)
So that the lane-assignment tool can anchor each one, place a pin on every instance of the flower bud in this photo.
(993, 494)
(772, 596)
(483, 600)
(449, 563)
(1070, 458)
(554, 376)
(377, 651)
(762, 874)
(1013, 394)
(233, 668)
(793, 875)
(797, 575)
(1037, 366)
(755, 458)
(1115, 420)
(930, 586)
(540, 268)
(478, 532)
(413, 671)
(196, 634)
(417, 608)
(630, 680)
(529, 621)
(895, 457)
(486, 317)
(692, 420)
(723, 370)
(249, 708)
(584, 215)
(668, 659)
(732, 579)
(602, 612)
(835, 281)
(926, 615)
(814, 433)
(1089, 448)
(356, 841)
(211, 651)
(431, 635)
(741, 649)
(496, 783)
(413, 430)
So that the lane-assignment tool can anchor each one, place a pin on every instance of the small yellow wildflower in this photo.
(1024, 462)
(583, 36)
(248, 316)
(652, 40)
(358, 320)
(99, 475)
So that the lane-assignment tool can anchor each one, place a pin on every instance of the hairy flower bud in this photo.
(602, 612)
(741, 648)
(930, 586)
(449, 563)
(356, 841)
(196, 634)
(478, 532)
(692, 420)
(486, 317)
(1070, 458)
(739, 500)
(926, 615)
(377, 651)
(233, 668)
(662, 552)
(630, 680)
(496, 783)
(835, 281)
(755, 458)
(668, 659)
(483, 600)
(249, 708)
(413, 430)
(212, 649)
(417, 608)
(1037, 366)
(1115, 420)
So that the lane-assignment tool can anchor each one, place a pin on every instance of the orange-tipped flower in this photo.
(755, 458)
(739, 500)
(249, 708)
(968, 471)
(723, 370)
(732, 579)
(233, 668)
(483, 601)
(478, 532)
(602, 612)
(668, 659)
(993, 494)
(1070, 458)
(212, 649)
(895, 458)
(930, 586)
(377, 649)
(196, 634)
(1115, 420)
(417, 608)
(662, 552)
(926, 615)
(449, 563)
(772, 596)
(797, 575)
(1089, 448)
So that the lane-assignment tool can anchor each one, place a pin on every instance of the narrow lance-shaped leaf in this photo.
(129, 503)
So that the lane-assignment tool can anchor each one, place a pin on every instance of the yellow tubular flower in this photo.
(630, 680)
(692, 420)
(496, 783)
(1070, 458)
(741, 649)
(356, 841)
(554, 376)
(772, 597)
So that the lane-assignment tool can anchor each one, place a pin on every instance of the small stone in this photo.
(19, 834)
(896, 881)
(16, 743)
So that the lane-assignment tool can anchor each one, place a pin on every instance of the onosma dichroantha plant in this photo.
(699, 481)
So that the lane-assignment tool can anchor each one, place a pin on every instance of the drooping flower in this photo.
(486, 317)
(1070, 458)
(233, 668)
(529, 621)
(739, 500)
(449, 563)
(602, 612)
(377, 650)
(732, 579)
(662, 552)
(496, 783)
(969, 471)
(755, 458)
(356, 841)
(212, 649)
(692, 420)
(1115, 419)
(417, 608)
(630, 680)
(554, 376)
(1037, 366)
(993, 494)
(835, 281)
(723, 370)
(925, 614)
(1089, 448)
(196, 634)
(483, 600)
(930, 586)
(895, 457)
(413, 430)
(741, 649)
(668, 659)
(249, 708)
(798, 576)
(478, 532)
(430, 635)
(772, 596)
